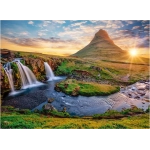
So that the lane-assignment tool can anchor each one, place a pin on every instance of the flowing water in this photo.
(49, 73)
(28, 79)
(8, 72)
(34, 97)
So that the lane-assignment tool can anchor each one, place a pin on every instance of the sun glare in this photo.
(133, 52)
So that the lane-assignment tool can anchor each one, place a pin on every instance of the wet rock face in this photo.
(7, 54)
(4, 83)
(54, 63)
(35, 64)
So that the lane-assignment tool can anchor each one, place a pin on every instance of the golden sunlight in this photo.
(133, 52)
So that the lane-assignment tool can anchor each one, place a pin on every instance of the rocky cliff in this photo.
(36, 64)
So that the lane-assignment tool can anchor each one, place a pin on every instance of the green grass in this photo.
(65, 68)
(124, 113)
(56, 113)
(113, 126)
(39, 121)
(12, 118)
(85, 88)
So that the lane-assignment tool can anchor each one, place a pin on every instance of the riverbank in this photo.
(16, 120)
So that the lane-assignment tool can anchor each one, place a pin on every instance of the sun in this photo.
(133, 52)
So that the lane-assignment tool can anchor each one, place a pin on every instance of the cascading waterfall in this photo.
(27, 77)
(8, 72)
(49, 73)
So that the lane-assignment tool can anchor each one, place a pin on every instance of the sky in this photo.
(66, 37)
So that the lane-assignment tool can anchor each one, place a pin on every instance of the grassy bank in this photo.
(74, 87)
(12, 118)
(35, 121)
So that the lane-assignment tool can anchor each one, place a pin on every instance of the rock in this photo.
(66, 85)
(49, 107)
(6, 123)
(147, 87)
(98, 75)
(50, 100)
(141, 81)
(141, 87)
(147, 95)
(129, 95)
(137, 97)
(16, 109)
(36, 111)
(133, 88)
(141, 92)
(75, 92)
(64, 109)
(57, 88)
(98, 68)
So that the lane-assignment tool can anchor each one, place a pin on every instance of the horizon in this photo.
(66, 37)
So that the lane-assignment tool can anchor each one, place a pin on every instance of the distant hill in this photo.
(100, 47)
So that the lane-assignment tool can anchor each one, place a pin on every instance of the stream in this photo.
(35, 97)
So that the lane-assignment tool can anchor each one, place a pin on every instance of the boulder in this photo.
(137, 97)
(6, 123)
(96, 68)
(147, 95)
(141, 92)
(64, 109)
(75, 92)
(133, 88)
(147, 87)
(49, 107)
(141, 87)
(50, 100)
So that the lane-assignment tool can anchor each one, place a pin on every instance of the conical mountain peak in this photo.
(100, 47)
(102, 35)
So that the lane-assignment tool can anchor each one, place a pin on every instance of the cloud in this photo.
(24, 33)
(9, 33)
(136, 27)
(77, 34)
(53, 43)
(147, 26)
(94, 21)
(143, 43)
(44, 30)
(46, 23)
(31, 22)
(129, 22)
(59, 21)
(145, 21)
(41, 34)
(126, 33)
(78, 23)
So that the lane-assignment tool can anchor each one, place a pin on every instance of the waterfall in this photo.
(49, 73)
(8, 72)
(27, 77)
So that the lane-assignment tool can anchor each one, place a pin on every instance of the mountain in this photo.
(102, 46)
